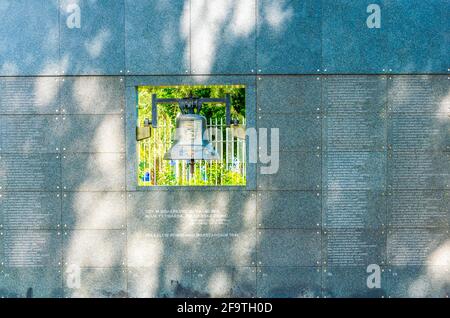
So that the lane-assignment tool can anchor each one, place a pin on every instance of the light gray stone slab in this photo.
(279, 247)
(95, 248)
(97, 46)
(289, 282)
(93, 133)
(30, 172)
(93, 172)
(30, 210)
(30, 134)
(95, 282)
(29, 37)
(36, 282)
(30, 248)
(157, 37)
(227, 282)
(29, 95)
(93, 95)
(289, 209)
(94, 210)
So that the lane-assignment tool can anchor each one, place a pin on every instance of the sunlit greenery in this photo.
(154, 170)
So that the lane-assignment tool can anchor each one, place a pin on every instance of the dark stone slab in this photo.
(289, 247)
(292, 28)
(297, 171)
(421, 170)
(354, 247)
(351, 282)
(354, 170)
(289, 282)
(289, 94)
(354, 209)
(289, 209)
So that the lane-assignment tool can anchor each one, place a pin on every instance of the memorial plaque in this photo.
(415, 41)
(289, 247)
(297, 171)
(30, 248)
(93, 172)
(31, 172)
(101, 33)
(93, 95)
(365, 132)
(289, 94)
(94, 210)
(418, 208)
(419, 94)
(354, 247)
(161, 281)
(354, 170)
(292, 27)
(351, 282)
(354, 209)
(224, 42)
(419, 133)
(93, 133)
(95, 283)
(30, 210)
(29, 95)
(148, 22)
(229, 282)
(297, 133)
(30, 134)
(289, 282)
(29, 37)
(421, 170)
(195, 211)
(289, 209)
(345, 22)
(351, 94)
(417, 281)
(42, 282)
(95, 248)
(416, 246)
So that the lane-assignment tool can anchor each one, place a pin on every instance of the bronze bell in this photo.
(191, 141)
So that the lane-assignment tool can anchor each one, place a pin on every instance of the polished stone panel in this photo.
(93, 133)
(289, 37)
(30, 172)
(29, 37)
(93, 95)
(289, 247)
(289, 209)
(289, 282)
(97, 47)
(94, 210)
(157, 37)
(289, 94)
(30, 210)
(93, 172)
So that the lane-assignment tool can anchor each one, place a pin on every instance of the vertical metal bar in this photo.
(154, 111)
